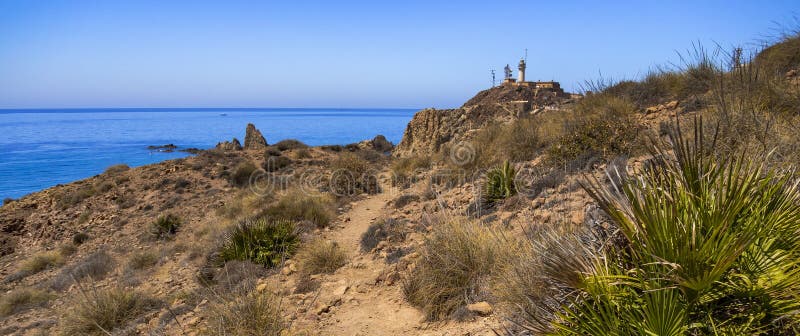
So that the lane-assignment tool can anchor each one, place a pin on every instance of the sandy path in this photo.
(366, 308)
(352, 302)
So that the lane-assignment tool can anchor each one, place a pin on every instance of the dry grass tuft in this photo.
(21, 299)
(458, 256)
(246, 312)
(299, 206)
(101, 311)
(95, 266)
(116, 169)
(321, 256)
(406, 170)
(42, 261)
(243, 204)
(143, 260)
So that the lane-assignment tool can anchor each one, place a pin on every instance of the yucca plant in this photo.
(500, 182)
(260, 240)
(165, 226)
(711, 247)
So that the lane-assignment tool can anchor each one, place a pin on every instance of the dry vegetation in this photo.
(320, 256)
(695, 235)
(246, 312)
(459, 256)
(102, 311)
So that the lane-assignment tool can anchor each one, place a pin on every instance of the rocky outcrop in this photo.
(380, 144)
(229, 145)
(430, 130)
(253, 138)
(511, 93)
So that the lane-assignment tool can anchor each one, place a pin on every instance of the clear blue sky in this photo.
(341, 54)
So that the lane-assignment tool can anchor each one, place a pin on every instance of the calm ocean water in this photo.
(42, 148)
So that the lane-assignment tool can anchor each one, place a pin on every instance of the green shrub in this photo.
(456, 258)
(351, 176)
(116, 169)
(241, 175)
(165, 226)
(320, 256)
(500, 183)
(79, 238)
(21, 299)
(275, 163)
(101, 311)
(298, 206)
(710, 248)
(260, 240)
(290, 144)
(600, 125)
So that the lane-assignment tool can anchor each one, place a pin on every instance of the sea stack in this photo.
(253, 138)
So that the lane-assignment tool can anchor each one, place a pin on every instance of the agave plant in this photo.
(500, 183)
(260, 240)
(712, 247)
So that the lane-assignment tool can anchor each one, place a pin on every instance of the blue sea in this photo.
(43, 148)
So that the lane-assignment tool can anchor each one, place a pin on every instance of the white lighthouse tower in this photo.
(521, 71)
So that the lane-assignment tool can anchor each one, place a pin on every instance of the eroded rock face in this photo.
(427, 131)
(229, 145)
(253, 138)
(431, 130)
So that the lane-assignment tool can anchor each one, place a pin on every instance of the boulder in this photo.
(380, 144)
(482, 308)
(229, 145)
(253, 138)
(671, 105)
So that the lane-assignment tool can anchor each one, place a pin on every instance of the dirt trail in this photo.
(353, 301)
(367, 308)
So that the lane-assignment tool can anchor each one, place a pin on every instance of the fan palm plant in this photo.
(711, 247)
(500, 182)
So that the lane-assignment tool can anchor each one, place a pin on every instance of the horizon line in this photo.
(29, 109)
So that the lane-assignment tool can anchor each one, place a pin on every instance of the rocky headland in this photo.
(463, 222)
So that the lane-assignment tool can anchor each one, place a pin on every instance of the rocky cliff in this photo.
(430, 130)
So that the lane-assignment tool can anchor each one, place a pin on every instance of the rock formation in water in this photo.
(229, 145)
(253, 138)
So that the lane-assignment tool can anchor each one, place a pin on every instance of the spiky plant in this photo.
(165, 226)
(260, 240)
(711, 247)
(500, 182)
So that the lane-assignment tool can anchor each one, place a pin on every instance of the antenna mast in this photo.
(494, 81)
